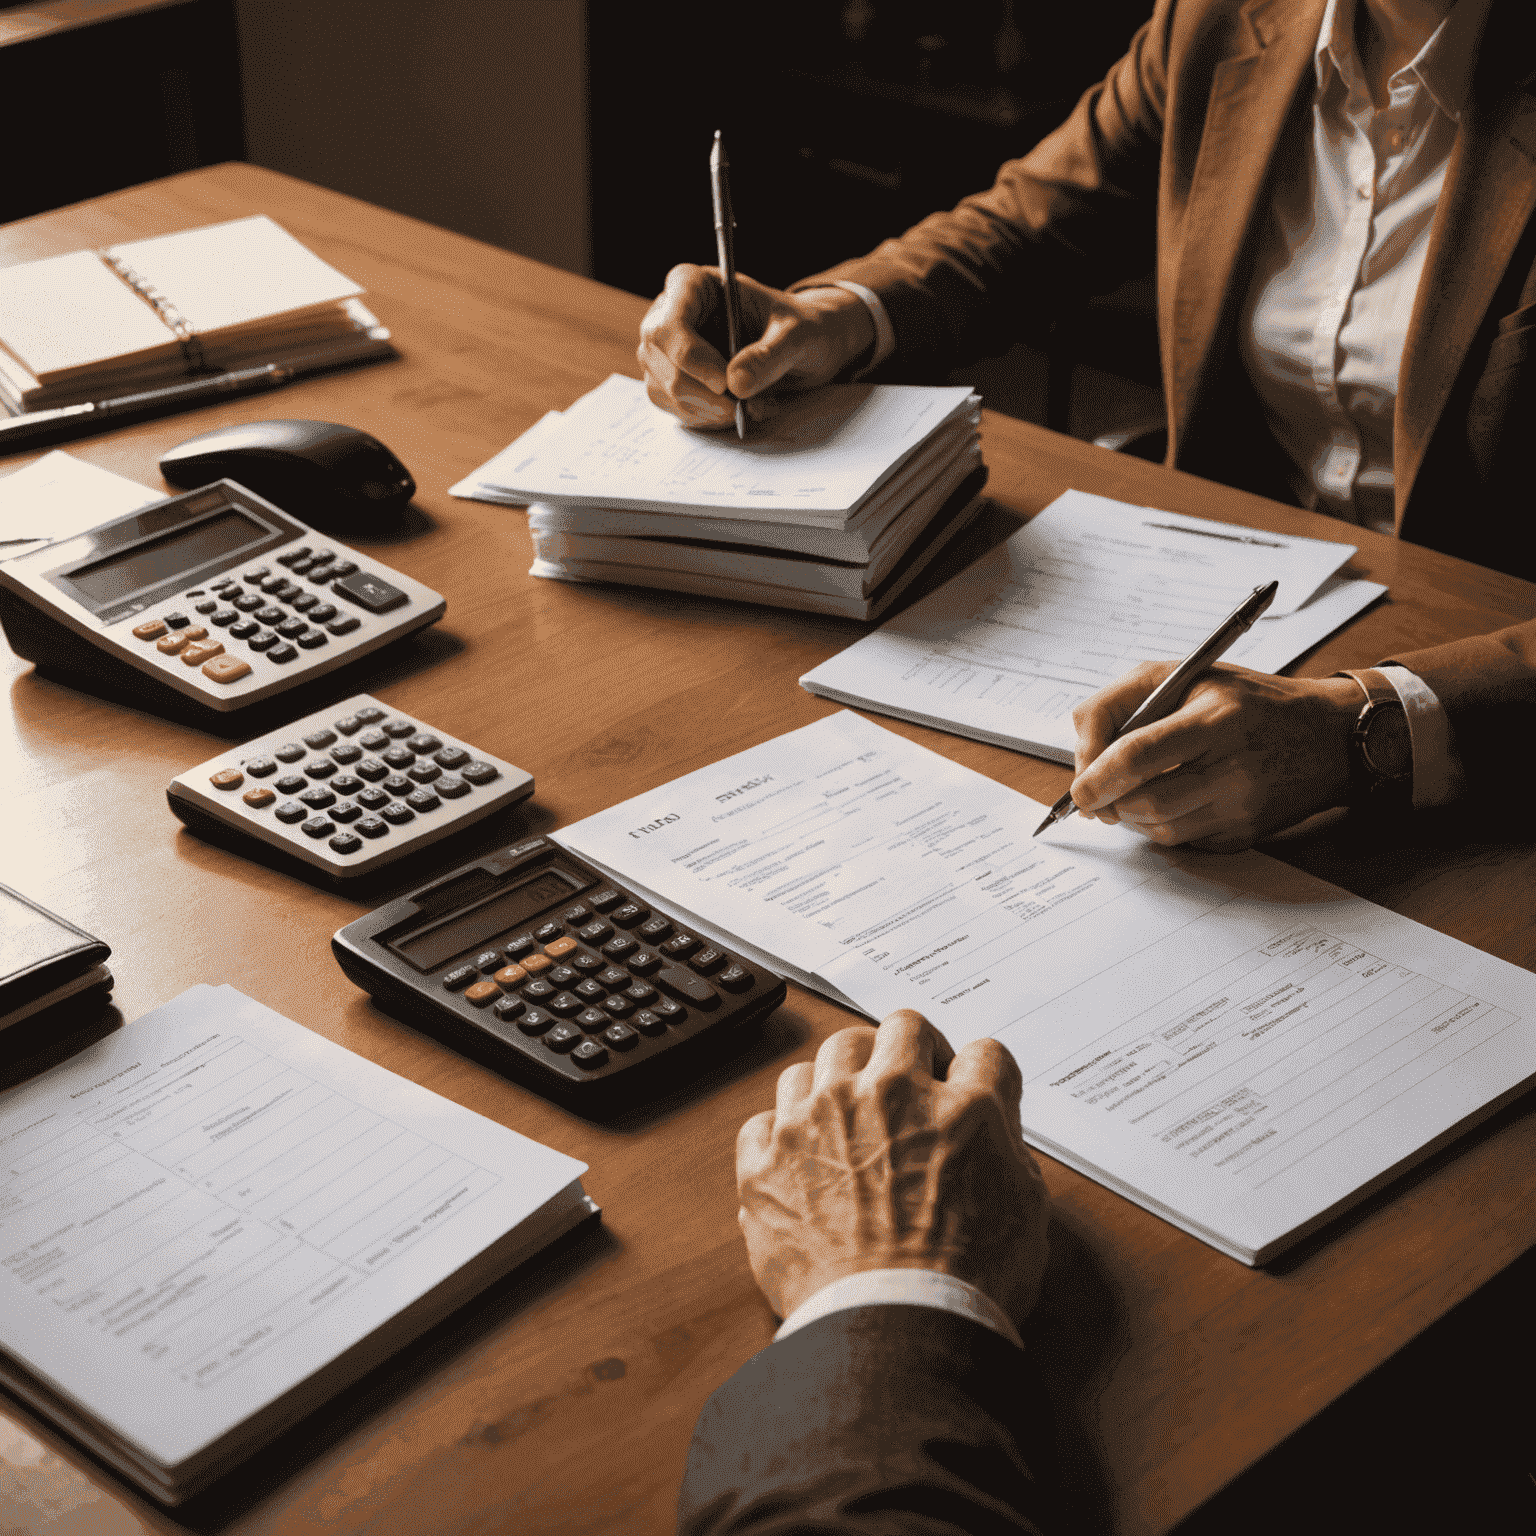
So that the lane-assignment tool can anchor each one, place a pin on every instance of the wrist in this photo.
(849, 326)
(1381, 748)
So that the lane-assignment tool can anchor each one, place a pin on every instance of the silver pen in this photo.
(1169, 693)
(725, 250)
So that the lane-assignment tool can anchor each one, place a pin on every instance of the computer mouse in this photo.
(325, 474)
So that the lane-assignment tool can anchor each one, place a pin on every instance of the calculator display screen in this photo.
(170, 555)
(429, 947)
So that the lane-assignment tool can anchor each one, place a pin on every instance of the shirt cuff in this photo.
(1437, 774)
(885, 334)
(906, 1288)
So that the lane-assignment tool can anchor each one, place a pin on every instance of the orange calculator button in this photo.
(197, 632)
(151, 629)
(259, 798)
(510, 976)
(560, 947)
(483, 992)
(226, 669)
(170, 644)
(227, 778)
(535, 963)
(202, 650)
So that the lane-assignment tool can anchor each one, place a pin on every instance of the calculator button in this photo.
(371, 768)
(262, 640)
(686, 987)
(643, 962)
(479, 773)
(261, 767)
(313, 639)
(370, 714)
(509, 976)
(486, 960)
(508, 1007)
(346, 752)
(576, 915)
(370, 593)
(197, 632)
(223, 616)
(423, 800)
(343, 568)
(151, 629)
(303, 602)
(397, 728)
(535, 1021)
(682, 944)
(612, 977)
(258, 798)
(318, 740)
(549, 932)
(294, 555)
(319, 613)
(648, 1022)
(207, 605)
(287, 629)
(318, 796)
(177, 620)
(618, 946)
(200, 651)
(325, 554)
(371, 826)
(564, 1036)
(596, 932)
(538, 990)
(707, 960)
(346, 811)
(565, 976)
(593, 1019)
(558, 947)
(320, 768)
(272, 615)
(244, 629)
(257, 573)
(424, 742)
(482, 993)
(590, 1054)
(590, 991)
(398, 784)
(281, 654)
(227, 778)
(516, 947)
(317, 826)
(346, 784)
(450, 757)
(452, 786)
(565, 1005)
(398, 757)
(247, 602)
(289, 752)
(533, 963)
(287, 590)
(373, 740)
(460, 977)
(350, 725)
(291, 783)
(345, 842)
(397, 814)
(605, 900)
(618, 1005)
(424, 773)
(343, 626)
(585, 960)
(672, 1013)
(640, 993)
(654, 931)
(373, 798)
(322, 572)
(620, 1036)
(736, 978)
(170, 645)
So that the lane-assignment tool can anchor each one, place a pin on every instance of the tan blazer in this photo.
(1171, 157)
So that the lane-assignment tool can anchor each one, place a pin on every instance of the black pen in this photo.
(1169, 693)
(68, 421)
(725, 250)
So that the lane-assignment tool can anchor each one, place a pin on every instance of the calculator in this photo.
(551, 972)
(216, 596)
(347, 790)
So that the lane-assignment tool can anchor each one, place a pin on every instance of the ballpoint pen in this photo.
(1169, 693)
(725, 250)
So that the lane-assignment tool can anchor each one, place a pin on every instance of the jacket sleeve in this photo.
(1487, 684)
(1074, 217)
(873, 1420)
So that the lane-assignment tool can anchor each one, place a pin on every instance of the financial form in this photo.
(1232, 1043)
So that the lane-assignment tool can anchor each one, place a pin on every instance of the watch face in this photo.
(1385, 745)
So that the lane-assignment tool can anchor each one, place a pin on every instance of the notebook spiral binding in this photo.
(191, 346)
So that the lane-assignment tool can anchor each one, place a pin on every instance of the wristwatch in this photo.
(1380, 749)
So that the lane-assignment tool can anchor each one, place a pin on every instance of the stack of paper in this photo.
(1074, 599)
(835, 505)
(94, 325)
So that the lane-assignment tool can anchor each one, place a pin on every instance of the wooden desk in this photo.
(563, 1404)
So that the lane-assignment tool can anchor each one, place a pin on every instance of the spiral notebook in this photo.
(139, 315)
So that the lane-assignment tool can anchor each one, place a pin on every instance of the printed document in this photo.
(57, 496)
(1235, 1045)
(1079, 595)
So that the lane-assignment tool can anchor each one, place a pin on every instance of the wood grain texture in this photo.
(562, 1401)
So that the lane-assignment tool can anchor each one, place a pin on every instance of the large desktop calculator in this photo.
(348, 789)
(546, 969)
(216, 596)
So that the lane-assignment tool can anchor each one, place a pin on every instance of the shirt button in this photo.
(1363, 191)
(1395, 139)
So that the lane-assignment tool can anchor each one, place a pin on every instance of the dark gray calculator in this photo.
(544, 968)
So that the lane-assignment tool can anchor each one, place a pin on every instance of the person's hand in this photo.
(867, 1161)
(1246, 754)
(803, 340)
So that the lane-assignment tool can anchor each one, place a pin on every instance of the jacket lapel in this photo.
(1252, 95)
(1485, 206)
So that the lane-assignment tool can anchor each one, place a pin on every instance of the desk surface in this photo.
(563, 1403)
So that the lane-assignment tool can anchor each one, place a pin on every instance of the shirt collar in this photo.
(1443, 65)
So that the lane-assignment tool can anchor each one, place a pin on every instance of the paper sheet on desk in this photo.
(1230, 1042)
(58, 496)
